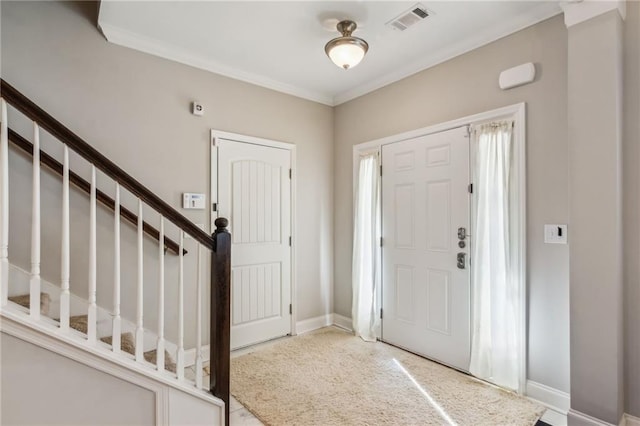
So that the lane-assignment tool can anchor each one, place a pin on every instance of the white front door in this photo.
(426, 290)
(254, 192)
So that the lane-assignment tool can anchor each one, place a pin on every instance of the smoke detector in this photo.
(409, 18)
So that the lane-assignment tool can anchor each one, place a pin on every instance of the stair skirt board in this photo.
(19, 286)
(167, 390)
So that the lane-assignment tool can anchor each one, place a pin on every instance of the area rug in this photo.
(331, 377)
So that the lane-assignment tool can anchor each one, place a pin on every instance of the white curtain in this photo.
(495, 348)
(366, 250)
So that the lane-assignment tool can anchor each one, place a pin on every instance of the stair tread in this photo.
(79, 322)
(25, 301)
(169, 363)
(128, 344)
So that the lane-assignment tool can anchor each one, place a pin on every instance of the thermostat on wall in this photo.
(193, 201)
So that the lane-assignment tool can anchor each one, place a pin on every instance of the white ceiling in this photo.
(280, 45)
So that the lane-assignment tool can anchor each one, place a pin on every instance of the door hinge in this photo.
(470, 188)
(290, 173)
(380, 313)
(290, 309)
(380, 169)
(289, 241)
(380, 241)
(214, 207)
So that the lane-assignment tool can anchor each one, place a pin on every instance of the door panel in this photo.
(426, 298)
(404, 289)
(254, 192)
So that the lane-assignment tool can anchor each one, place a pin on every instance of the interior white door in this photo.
(254, 192)
(426, 289)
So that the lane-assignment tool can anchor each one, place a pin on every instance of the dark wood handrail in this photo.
(220, 339)
(85, 186)
(93, 156)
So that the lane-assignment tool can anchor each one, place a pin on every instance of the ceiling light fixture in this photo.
(346, 51)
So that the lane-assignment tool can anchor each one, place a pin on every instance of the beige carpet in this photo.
(333, 378)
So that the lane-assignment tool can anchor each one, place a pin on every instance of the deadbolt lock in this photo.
(461, 260)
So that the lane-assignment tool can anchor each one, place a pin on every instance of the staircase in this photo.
(36, 306)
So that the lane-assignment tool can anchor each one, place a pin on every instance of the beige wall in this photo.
(41, 387)
(135, 109)
(631, 202)
(595, 200)
(463, 86)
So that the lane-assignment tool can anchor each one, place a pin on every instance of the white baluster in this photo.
(92, 313)
(160, 345)
(117, 321)
(180, 354)
(199, 321)
(64, 285)
(34, 282)
(4, 207)
(140, 312)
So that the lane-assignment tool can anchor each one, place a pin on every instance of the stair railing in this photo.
(218, 244)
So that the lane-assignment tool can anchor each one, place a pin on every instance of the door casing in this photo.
(218, 134)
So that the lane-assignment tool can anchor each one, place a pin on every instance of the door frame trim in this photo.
(213, 188)
(516, 112)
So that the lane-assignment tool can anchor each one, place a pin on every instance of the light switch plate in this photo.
(193, 201)
(555, 234)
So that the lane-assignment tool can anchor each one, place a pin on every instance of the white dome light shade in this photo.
(346, 51)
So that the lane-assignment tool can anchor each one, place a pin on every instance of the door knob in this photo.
(461, 260)
(462, 233)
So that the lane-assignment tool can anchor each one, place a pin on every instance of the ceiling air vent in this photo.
(408, 18)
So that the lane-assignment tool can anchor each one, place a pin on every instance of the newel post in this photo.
(220, 347)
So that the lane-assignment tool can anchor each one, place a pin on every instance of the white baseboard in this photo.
(311, 324)
(577, 418)
(342, 322)
(587, 420)
(629, 420)
(549, 396)
(557, 402)
(303, 326)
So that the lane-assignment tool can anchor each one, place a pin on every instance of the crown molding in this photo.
(122, 37)
(126, 38)
(579, 11)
